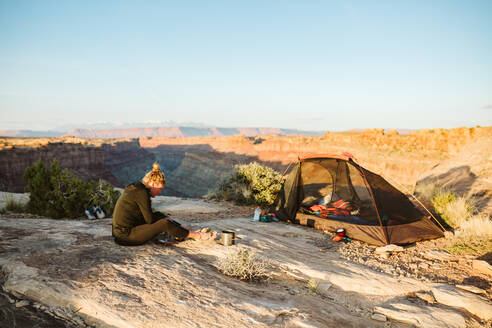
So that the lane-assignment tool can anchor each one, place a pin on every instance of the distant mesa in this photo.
(169, 132)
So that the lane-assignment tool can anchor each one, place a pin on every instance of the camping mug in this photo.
(227, 238)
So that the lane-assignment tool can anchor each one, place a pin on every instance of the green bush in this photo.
(57, 193)
(250, 184)
(104, 195)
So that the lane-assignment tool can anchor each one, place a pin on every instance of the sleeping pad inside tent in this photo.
(329, 192)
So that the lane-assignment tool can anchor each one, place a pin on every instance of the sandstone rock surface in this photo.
(477, 305)
(472, 289)
(482, 266)
(75, 270)
(74, 265)
(420, 316)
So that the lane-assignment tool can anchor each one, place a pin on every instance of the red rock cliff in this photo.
(88, 159)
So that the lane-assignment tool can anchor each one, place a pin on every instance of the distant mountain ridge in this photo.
(169, 132)
(31, 133)
(186, 131)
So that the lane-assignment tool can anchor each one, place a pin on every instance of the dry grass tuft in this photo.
(312, 284)
(12, 205)
(473, 233)
(478, 226)
(425, 191)
(453, 209)
(473, 237)
(245, 265)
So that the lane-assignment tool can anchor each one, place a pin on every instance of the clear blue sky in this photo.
(320, 65)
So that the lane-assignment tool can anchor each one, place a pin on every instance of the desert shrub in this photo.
(245, 265)
(250, 184)
(57, 193)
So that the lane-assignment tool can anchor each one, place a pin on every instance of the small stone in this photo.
(22, 303)
(389, 248)
(482, 267)
(384, 255)
(472, 289)
(426, 297)
(292, 292)
(423, 265)
(378, 317)
(437, 255)
(413, 266)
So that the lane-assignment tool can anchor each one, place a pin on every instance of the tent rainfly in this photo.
(329, 192)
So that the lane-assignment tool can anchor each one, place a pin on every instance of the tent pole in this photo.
(439, 223)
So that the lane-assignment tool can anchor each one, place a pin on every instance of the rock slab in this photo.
(421, 316)
(482, 267)
(472, 303)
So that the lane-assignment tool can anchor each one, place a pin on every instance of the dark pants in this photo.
(142, 233)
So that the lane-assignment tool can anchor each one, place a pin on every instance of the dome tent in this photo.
(352, 197)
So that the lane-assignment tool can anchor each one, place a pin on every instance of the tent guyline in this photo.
(328, 192)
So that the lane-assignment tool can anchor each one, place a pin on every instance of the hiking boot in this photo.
(99, 212)
(89, 214)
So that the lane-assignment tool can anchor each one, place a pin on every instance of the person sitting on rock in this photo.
(134, 223)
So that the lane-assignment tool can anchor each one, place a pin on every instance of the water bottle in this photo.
(256, 217)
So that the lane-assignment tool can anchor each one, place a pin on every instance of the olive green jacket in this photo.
(133, 208)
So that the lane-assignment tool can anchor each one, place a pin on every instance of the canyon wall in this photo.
(194, 165)
(126, 160)
(112, 160)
